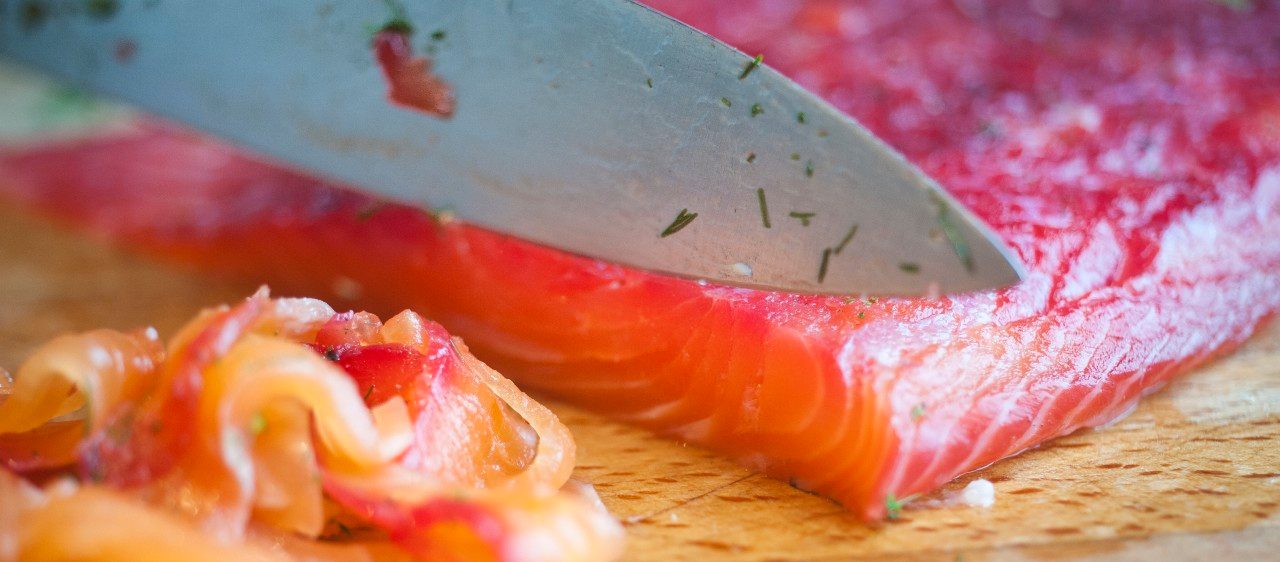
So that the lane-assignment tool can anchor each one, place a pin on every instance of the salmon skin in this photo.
(1128, 151)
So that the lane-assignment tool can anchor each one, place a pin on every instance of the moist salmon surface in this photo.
(1128, 151)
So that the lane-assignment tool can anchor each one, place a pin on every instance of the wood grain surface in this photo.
(1193, 474)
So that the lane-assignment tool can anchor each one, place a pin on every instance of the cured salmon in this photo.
(1129, 152)
(269, 431)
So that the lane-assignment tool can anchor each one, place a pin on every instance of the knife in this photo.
(600, 127)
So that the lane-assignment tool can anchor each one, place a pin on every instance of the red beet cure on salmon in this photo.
(1128, 152)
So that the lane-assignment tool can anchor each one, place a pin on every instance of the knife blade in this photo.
(599, 127)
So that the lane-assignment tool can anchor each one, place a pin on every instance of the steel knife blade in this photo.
(600, 127)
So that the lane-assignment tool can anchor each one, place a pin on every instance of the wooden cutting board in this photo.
(1194, 473)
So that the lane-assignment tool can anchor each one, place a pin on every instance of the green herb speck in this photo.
(101, 9)
(801, 118)
(892, 507)
(909, 267)
(822, 268)
(756, 109)
(764, 208)
(822, 133)
(397, 25)
(725, 102)
(648, 82)
(33, 14)
(367, 213)
(683, 218)
(67, 104)
(848, 237)
(257, 424)
(439, 35)
(958, 244)
(917, 412)
(441, 216)
(862, 314)
(1237, 5)
(795, 155)
(751, 66)
(804, 217)
(808, 169)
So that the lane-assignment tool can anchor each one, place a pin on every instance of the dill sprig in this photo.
(848, 237)
(683, 218)
(804, 217)
(751, 66)
(764, 207)
(892, 507)
(958, 244)
(822, 268)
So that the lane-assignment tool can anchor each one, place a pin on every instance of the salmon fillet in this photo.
(1129, 152)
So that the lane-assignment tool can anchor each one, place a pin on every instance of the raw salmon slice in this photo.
(1128, 151)
(276, 429)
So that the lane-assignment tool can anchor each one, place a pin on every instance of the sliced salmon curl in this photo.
(463, 432)
(1127, 152)
(251, 426)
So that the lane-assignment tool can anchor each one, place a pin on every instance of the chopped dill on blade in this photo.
(398, 25)
(801, 118)
(683, 218)
(909, 267)
(804, 217)
(808, 169)
(756, 109)
(764, 207)
(847, 238)
(725, 102)
(958, 244)
(822, 268)
(751, 66)
(102, 9)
